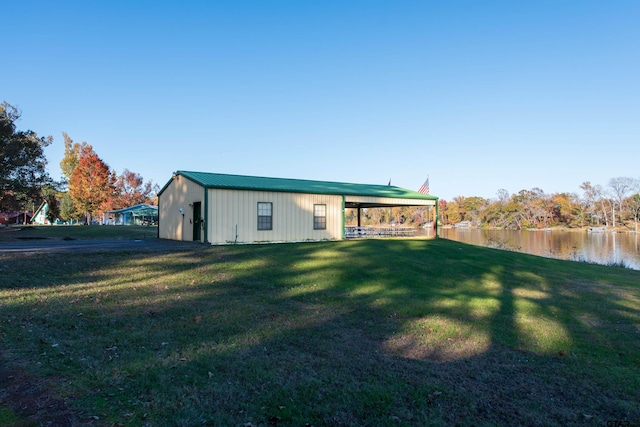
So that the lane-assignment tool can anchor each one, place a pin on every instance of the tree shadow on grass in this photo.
(386, 332)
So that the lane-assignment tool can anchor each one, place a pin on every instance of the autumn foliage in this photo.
(130, 190)
(94, 188)
(91, 185)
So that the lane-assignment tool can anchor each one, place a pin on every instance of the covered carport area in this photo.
(365, 202)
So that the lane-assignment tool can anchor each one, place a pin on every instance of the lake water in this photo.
(600, 248)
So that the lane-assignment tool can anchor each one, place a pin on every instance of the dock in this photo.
(372, 232)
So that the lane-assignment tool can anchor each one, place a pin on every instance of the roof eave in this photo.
(404, 193)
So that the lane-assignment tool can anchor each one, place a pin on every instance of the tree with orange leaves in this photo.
(132, 190)
(92, 184)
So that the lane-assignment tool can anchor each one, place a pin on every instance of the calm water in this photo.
(601, 248)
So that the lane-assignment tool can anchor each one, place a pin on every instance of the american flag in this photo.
(424, 188)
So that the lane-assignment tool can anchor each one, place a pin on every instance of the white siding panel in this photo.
(292, 216)
(179, 194)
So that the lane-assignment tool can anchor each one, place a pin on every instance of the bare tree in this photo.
(603, 204)
(621, 188)
(503, 196)
(634, 207)
(590, 199)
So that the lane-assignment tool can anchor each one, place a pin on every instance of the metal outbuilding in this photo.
(220, 208)
(141, 214)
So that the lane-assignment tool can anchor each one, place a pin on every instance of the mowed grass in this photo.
(368, 333)
(16, 233)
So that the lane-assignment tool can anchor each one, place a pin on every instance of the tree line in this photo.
(615, 205)
(87, 188)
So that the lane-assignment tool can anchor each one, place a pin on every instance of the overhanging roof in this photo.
(136, 208)
(255, 183)
(42, 206)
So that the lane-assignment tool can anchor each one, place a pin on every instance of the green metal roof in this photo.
(241, 182)
(143, 208)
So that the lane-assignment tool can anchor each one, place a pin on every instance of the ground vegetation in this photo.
(373, 332)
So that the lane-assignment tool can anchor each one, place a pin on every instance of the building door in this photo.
(197, 221)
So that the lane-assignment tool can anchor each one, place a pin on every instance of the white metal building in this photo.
(220, 208)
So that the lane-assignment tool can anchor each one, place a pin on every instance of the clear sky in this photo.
(479, 96)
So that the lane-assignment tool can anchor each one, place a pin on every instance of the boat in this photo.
(462, 224)
(597, 229)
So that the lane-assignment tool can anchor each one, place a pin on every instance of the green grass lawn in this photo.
(78, 232)
(368, 333)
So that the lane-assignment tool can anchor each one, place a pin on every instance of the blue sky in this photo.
(479, 96)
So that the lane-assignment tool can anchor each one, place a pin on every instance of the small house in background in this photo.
(40, 215)
(141, 214)
(219, 208)
(8, 218)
